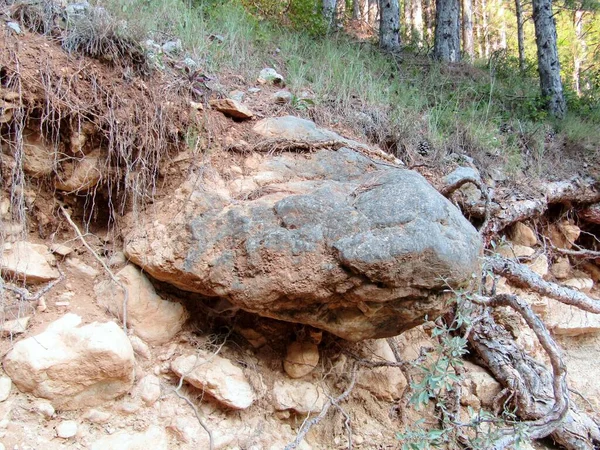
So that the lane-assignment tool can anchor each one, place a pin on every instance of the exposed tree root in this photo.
(24, 294)
(541, 396)
(521, 276)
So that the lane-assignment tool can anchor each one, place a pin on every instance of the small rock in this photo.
(66, 429)
(255, 339)
(283, 96)
(60, 249)
(82, 268)
(28, 262)
(148, 389)
(217, 376)
(117, 259)
(140, 347)
(237, 95)
(386, 383)
(254, 90)
(85, 173)
(41, 305)
(172, 47)
(155, 320)
(44, 408)
(521, 234)
(232, 108)
(185, 429)
(581, 284)
(561, 269)
(270, 75)
(128, 408)
(97, 416)
(486, 388)
(154, 438)
(197, 106)
(593, 270)
(539, 265)
(16, 326)
(301, 359)
(189, 62)
(515, 251)
(300, 396)
(563, 234)
(73, 366)
(14, 26)
(5, 386)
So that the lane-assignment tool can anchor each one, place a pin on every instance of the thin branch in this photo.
(25, 294)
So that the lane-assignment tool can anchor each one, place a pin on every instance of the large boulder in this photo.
(331, 239)
(73, 366)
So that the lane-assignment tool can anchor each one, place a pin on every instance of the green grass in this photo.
(418, 98)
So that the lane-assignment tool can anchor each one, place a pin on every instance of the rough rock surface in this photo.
(232, 108)
(387, 383)
(83, 174)
(222, 380)
(330, 239)
(300, 396)
(521, 234)
(26, 261)
(154, 438)
(73, 366)
(153, 319)
(301, 359)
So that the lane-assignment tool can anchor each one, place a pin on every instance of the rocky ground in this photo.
(223, 310)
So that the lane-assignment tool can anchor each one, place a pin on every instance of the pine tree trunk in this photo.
(329, 12)
(417, 20)
(429, 14)
(467, 15)
(389, 25)
(579, 50)
(520, 34)
(447, 34)
(356, 10)
(373, 12)
(501, 45)
(485, 29)
(407, 20)
(548, 62)
(477, 19)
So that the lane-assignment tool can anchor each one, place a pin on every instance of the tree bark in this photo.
(389, 25)
(579, 49)
(429, 13)
(408, 20)
(467, 16)
(373, 12)
(356, 10)
(485, 29)
(417, 21)
(548, 62)
(329, 12)
(520, 34)
(447, 34)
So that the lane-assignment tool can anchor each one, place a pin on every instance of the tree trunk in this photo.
(447, 35)
(548, 63)
(373, 12)
(329, 12)
(389, 25)
(340, 13)
(579, 49)
(429, 14)
(417, 20)
(477, 19)
(356, 10)
(467, 15)
(520, 34)
(485, 29)
(408, 20)
(502, 26)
